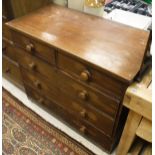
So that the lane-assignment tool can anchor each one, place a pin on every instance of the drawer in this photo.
(34, 47)
(98, 119)
(65, 114)
(5, 31)
(74, 89)
(9, 50)
(11, 71)
(87, 74)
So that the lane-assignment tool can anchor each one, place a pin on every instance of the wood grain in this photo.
(63, 114)
(72, 87)
(40, 50)
(128, 135)
(80, 62)
(144, 130)
(114, 48)
(139, 102)
(139, 96)
(97, 119)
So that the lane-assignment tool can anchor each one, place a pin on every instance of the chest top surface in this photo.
(113, 47)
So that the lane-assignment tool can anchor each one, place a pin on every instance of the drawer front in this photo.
(90, 76)
(73, 88)
(9, 50)
(34, 47)
(77, 123)
(85, 111)
(11, 71)
(5, 31)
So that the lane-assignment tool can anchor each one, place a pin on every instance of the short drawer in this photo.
(87, 74)
(98, 119)
(71, 87)
(34, 47)
(11, 71)
(9, 50)
(66, 115)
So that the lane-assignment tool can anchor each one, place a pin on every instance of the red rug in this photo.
(26, 133)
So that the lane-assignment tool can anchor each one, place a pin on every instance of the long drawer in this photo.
(89, 75)
(11, 71)
(34, 47)
(76, 90)
(96, 118)
(64, 113)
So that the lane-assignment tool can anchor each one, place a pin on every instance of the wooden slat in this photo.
(139, 106)
(148, 150)
(136, 147)
(128, 135)
(146, 79)
(144, 130)
(139, 97)
(138, 100)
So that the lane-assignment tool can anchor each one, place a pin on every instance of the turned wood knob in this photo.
(32, 66)
(41, 100)
(29, 47)
(7, 70)
(85, 75)
(83, 113)
(83, 129)
(37, 84)
(83, 95)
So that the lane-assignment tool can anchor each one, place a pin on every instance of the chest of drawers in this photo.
(78, 66)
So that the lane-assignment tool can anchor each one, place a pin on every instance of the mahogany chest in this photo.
(78, 66)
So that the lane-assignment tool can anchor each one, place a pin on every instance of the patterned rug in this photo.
(25, 133)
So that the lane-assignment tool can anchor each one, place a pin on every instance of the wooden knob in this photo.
(29, 47)
(32, 66)
(7, 70)
(85, 75)
(83, 95)
(83, 113)
(41, 100)
(83, 129)
(37, 84)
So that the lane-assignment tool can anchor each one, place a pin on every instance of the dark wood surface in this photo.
(79, 66)
(84, 128)
(11, 71)
(9, 50)
(77, 90)
(34, 47)
(115, 48)
(96, 118)
(93, 77)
